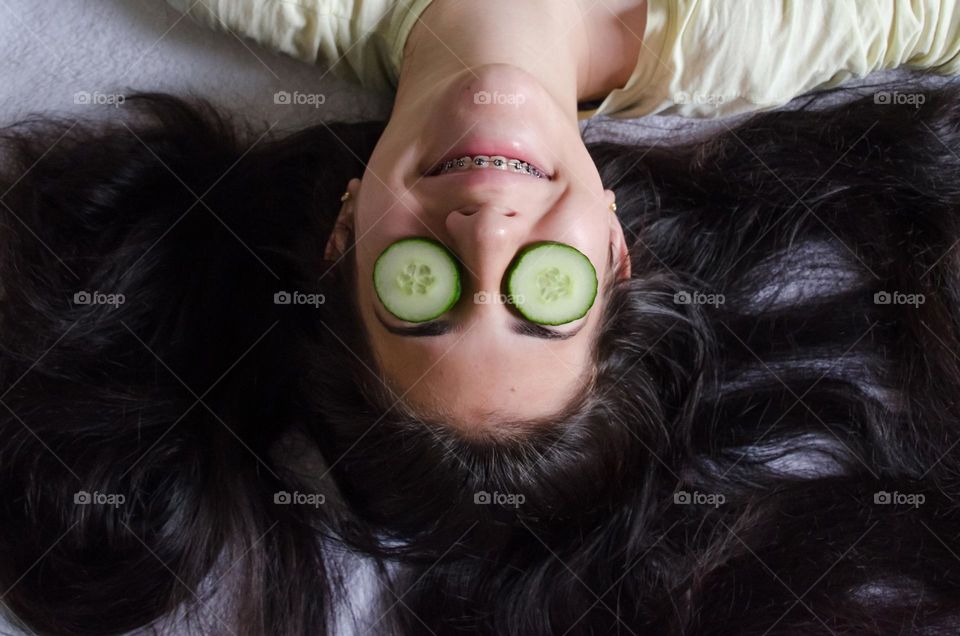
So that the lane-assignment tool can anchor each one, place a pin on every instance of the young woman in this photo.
(244, 414)
(497, 84)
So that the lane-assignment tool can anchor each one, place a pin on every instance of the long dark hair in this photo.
(768, 445)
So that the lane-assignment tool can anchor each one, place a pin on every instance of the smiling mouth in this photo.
(488, 162)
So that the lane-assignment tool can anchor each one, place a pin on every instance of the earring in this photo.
(613, 207)
(345, 196)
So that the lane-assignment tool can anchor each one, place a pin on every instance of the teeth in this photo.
(497, 162)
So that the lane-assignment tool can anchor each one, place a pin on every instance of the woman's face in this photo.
(481, 362)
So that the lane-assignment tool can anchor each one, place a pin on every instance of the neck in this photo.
(550, 39)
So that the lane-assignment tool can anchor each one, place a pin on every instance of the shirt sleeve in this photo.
(288, 27)
(713, 58)
(359, 40)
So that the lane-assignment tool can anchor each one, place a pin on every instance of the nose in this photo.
(486, 238)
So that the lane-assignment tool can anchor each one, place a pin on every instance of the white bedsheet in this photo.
(54, 49)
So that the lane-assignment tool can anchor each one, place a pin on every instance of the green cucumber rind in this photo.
(457, 289)
(511, 271)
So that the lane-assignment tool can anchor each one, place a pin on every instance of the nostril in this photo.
(472, 210)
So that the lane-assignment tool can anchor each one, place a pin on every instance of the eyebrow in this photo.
(436, 328)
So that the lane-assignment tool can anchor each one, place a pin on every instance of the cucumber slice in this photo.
(417, 279)
(552, 283)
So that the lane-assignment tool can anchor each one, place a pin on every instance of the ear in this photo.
(339, 240)
(618, 243)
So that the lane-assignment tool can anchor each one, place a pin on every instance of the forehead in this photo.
(470, 382)
(484, 367)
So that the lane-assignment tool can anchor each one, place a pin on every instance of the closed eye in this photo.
(525, 328)
(430, 329)
(436, 328)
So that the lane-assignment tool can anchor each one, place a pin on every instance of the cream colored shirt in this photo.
(360, 40)
(700, 58)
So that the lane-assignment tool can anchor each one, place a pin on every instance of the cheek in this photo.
(585, 231)
(381, 218)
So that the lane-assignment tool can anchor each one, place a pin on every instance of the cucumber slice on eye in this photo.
(552, 283)
(417, 279)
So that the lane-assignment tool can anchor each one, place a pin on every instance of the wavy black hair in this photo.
(769, 446)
